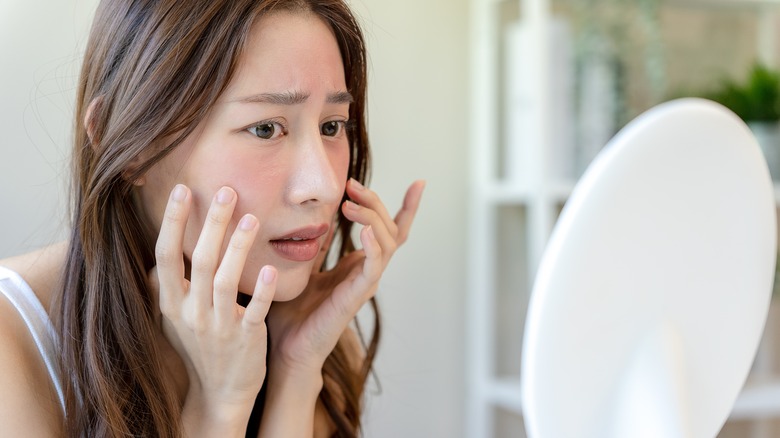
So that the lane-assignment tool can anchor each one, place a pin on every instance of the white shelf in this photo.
(757, 399)
(501, 193)
(509, 194)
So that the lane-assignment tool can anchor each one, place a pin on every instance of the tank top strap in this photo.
(19, 293)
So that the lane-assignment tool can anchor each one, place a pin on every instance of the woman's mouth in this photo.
(301, 245)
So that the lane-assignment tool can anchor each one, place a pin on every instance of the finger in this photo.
(363, 285)
(366, 216)
(257, 309)
(360, 283)
(168, 249)
(373, 265)
(406, 215)
(369, 199)
(205, 256)
(229, 272)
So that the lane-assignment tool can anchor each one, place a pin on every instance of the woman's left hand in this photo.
(305, 330)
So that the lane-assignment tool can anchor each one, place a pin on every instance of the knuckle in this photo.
(222, 331)
(164, 254)
(371, 197)
(223, 283)
(255, 321)
(173, 214)
(201, 267)
(217, 218)
(393, 229)
(201, 261)
(238, 243)
(195, 321)
(261, 300)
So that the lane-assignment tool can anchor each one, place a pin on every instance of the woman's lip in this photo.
(297, 250)
(307, 233)
(302, 244)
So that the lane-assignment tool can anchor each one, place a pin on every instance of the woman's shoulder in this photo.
(40, 269)
(29, 401)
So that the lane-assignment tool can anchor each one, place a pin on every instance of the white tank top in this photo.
(38, 322)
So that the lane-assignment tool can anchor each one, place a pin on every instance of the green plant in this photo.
(758, 99)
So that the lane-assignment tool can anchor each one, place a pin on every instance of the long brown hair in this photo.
(152, 70)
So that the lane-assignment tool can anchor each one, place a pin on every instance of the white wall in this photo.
(419, 127)
(39, 45)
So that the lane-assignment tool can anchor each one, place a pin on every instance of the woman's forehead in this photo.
(288, 53)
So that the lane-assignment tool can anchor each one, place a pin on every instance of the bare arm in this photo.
(285, 397)
(290, 404)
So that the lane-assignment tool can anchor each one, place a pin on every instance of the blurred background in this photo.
(552, 81)
(500, 105)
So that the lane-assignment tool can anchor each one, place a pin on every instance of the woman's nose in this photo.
(314, 178)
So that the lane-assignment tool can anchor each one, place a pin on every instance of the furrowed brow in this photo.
(340, 98)
(295, 98)
(286, 98)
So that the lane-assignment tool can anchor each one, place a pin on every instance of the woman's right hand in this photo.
(222, 344)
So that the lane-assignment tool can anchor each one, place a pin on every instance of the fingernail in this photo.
(247, 223)
(225, 195)
(370, 232)
(357, 184)
(179, 193)
(268, 275)
(352, 206)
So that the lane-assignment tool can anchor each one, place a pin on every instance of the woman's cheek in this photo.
(341, 163)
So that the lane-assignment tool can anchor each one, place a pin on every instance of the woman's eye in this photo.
(332, 128)
(266, 130)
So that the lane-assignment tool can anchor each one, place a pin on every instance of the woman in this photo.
(219, 152)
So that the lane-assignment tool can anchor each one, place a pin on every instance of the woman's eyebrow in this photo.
(284, 98)
(295, 98)
(340, 97)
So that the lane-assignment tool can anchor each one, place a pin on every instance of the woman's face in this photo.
(277, 137)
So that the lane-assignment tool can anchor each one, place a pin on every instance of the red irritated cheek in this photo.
(339, 160)
(256, 176)
(258, 182)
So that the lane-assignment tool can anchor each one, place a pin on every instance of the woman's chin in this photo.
(288, 293)
(289, 285)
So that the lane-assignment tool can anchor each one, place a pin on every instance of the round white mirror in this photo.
(653, 292)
